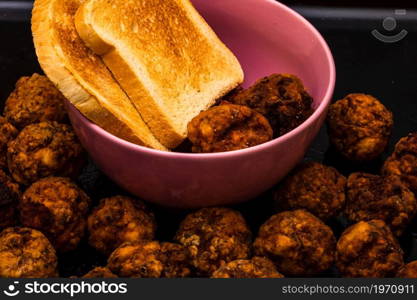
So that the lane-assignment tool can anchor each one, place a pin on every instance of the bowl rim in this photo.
(309, 121)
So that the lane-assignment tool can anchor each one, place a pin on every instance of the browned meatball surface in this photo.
(9, 200)
(359, 127)
(380, 197)
(35, 99)
(26, 253)
(100, 272)
(403, 162)
(408, 271)
(281, 98)
(214, 236)
(368, 249)
(7, 133)
(45, 149)
(256, 267)
(297, 242)
(150, 259)
(228, 127)
(117, 220)
(58, 208)
(314, 187)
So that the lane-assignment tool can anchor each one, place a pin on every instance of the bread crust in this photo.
(160, 125)
(169, 61)
(81, 75)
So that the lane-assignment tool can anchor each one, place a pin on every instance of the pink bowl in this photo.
(267, 37)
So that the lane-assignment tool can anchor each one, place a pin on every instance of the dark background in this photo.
(364, 65)
(351, 3)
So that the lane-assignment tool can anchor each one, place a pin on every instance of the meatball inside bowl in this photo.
(267, 38)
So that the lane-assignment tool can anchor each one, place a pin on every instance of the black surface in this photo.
(364, 64)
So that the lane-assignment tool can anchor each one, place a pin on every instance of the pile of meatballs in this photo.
(44, 213)
(244, 118)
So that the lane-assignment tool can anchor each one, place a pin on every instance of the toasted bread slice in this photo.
(82, 76)
(164, 55)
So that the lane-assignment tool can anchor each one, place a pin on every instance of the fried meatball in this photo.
(226, 128)
(150, 259)
(256, 267)
(26, 253)
(9, 200)
(403, 162)
(231, 95)
(58, 208)
(214, 236)
(408, 271)
(297, 242)
(7, 133)
(281, 98)
(100, 272)
(117, 220)
(314, 187)
(380, 197)
(359, 127)
(368, 249)
(35, 99)
(45, 149)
